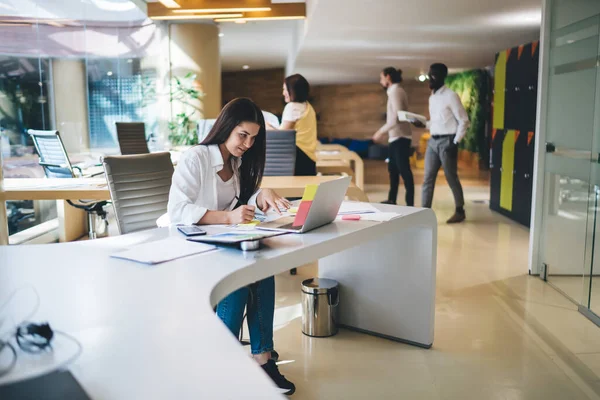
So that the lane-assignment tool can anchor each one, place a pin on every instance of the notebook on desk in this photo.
(58, 385)
(162, 250)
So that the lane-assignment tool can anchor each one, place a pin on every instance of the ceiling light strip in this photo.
(170, 3)
(241, 20)
(222, 10)
(226, 17)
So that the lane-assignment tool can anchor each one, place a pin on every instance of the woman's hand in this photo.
(241, 215)
(267, 199)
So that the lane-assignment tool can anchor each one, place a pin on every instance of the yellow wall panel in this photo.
(507, 176)
(499, 94)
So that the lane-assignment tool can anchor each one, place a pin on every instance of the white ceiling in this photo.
(126, 11)
(260, 45)
(344, 41)
(340, 43)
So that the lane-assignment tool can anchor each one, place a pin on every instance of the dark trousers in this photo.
(305, 166)
(442, 152)
(399, 165)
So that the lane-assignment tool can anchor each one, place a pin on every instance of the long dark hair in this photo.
(298, 88)
(234, 113)
(394, 74)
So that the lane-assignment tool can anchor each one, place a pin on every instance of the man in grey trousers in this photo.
(448, 125)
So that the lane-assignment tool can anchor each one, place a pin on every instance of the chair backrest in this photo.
(53, 156)
(132, 138)
(281, 153)
(139, 188)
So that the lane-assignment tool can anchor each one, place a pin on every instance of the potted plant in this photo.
(185, 95)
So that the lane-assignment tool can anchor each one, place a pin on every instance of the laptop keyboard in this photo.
(290, 226)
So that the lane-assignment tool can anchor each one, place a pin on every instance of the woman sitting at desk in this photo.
(217, 182)
(299, 115)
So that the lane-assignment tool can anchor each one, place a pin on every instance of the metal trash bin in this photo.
(320, 300)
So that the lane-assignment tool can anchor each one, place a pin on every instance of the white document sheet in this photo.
(271, 119)
(380, 216)
(407, 116)
(352, 207)
(163, 250)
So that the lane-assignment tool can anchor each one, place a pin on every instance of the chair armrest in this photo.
(78, 169)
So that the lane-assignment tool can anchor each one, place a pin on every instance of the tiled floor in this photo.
(578, 289)
(499, 333)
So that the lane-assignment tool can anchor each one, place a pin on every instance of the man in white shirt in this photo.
(448, 125)
(399, 137)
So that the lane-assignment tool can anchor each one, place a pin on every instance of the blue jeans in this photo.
(260, 299)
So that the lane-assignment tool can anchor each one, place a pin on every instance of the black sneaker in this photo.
(457, 217)
(274, 356)
(272, 370)
(388, 202)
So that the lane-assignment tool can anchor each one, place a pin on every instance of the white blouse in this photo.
(194, 189)
(225, 193)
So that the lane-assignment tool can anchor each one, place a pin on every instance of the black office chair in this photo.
(56, 164)
(281, 153)
(132, 138)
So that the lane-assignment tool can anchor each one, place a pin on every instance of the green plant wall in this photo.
(473, 88)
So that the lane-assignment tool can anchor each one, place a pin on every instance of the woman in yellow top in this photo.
(299, 115)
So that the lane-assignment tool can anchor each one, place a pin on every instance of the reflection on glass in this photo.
(77, 69)
(119, 91)
(23, 105)
(565, 227)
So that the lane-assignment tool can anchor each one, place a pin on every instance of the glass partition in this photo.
(77, 70)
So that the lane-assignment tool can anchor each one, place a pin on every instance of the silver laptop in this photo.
(323, 210)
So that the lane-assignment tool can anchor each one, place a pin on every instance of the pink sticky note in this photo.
(351, 217)
(302, 213)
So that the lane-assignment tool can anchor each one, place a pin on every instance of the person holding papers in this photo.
(399, 137)
(448, 125)
(217, 182)
(299, 115)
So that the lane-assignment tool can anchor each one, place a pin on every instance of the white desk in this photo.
(73, 221)
(149, 332)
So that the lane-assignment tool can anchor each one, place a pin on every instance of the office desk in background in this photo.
(149, 332)
(72, 221)
(334, 158)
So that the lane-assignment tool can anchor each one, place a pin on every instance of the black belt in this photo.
(436, 137)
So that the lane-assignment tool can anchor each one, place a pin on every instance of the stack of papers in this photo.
(163, 250)
(350, 207)
(366, 211)
(380, 216)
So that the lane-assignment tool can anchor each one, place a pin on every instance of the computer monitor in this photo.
(204, 127)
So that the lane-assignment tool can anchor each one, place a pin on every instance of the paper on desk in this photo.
(379, 216)
(352, 207)
(163, 250)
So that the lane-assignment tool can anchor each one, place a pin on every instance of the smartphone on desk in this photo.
(191, 230)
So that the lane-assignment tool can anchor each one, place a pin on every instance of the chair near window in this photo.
(139, 188)
(132, 138)
(56, 163)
